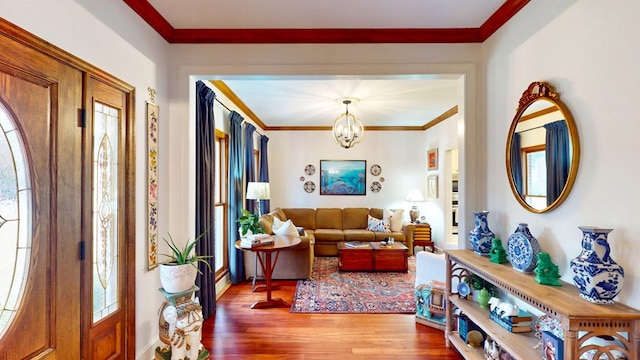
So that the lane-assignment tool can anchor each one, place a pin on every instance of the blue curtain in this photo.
(205, 196)
(516, 164)
(249, 163)
(558, 158)
(236, 261)
(264, 171)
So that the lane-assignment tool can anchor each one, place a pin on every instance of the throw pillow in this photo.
(377, 225)
(284, 227)
(395, 219)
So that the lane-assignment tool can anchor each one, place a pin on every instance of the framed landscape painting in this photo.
(343, 177)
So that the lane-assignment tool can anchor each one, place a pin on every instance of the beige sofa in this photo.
(323, 229)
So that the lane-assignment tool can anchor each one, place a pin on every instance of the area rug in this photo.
(333, 292)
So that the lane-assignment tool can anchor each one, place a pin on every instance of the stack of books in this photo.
(515, 324)
(254, 240)
(356, 244)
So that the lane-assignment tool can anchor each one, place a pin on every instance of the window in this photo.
(15, 219)
(221, 208)
(535, 176)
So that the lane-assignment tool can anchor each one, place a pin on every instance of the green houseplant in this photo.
(249, 223)
(179, 272)
(477, 283)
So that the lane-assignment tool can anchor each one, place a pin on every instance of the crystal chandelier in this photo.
(347, 129)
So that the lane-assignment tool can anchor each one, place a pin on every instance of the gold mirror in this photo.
(543, 150)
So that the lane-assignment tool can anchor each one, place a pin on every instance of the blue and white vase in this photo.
(523, 249)
(596, 275)
(481, 236)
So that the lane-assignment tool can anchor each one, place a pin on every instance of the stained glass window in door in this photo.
(105, 211)
(15, 219)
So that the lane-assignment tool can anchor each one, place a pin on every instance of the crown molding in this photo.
(324, 36)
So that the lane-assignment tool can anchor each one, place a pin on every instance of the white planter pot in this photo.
(177, 278)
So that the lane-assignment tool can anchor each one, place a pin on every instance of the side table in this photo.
(267, 264)
(422, 237)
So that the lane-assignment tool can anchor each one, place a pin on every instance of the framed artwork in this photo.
(432, 159)
(432, 186)
(153, 112)
(343, 177)
(552, 346)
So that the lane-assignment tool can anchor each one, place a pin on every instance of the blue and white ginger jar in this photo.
(481, 236)
(523, 249)
(598, 277)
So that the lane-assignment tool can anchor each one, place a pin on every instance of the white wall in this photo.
(585, 50)
(110, 36)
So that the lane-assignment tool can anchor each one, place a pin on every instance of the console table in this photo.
(580, 319)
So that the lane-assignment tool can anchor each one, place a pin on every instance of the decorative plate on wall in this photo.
(310, 169)
(309, 186)
(382, 179)
(375, 170)
(301, 178)
(376, 186)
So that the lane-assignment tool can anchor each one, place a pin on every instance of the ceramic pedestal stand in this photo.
(181, 327)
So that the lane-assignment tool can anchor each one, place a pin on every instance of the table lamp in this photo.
(258, 191)
(414, 196)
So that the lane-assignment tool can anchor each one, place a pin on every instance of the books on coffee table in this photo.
(356, 244)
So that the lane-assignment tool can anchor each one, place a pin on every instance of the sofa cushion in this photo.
(378, 225)
(355, 218)
(395, 218)
(359, 235)
(266, 221)
(329, 218)
(301, 217)
(328, 235)
(284, 227)
(279, 213)
(397, 236)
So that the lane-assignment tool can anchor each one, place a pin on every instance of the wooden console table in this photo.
(580, 319)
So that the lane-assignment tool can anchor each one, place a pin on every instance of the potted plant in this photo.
(179, 273)
(477, 283)
(249, 223)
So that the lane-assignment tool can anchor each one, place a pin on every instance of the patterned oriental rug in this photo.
(334, 292)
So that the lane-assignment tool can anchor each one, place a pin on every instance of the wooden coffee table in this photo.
(373, 257)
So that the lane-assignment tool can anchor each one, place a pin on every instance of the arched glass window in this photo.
(15, 219)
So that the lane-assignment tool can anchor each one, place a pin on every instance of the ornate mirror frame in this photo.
(541, 92)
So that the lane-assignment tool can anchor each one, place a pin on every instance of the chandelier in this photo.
(347, 129)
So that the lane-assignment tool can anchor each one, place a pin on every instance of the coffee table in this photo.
(373, 257)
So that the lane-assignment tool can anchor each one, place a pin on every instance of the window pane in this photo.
(218, 170)
(105, 211)
(219, 237)
(536, 173)
(15, 220)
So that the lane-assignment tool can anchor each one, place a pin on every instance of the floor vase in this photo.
(481, 236)
(598, 277)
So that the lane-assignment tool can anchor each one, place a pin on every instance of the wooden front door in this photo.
(52, 223)
(39, 206)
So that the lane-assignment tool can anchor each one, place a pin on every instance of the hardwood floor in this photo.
(239, 332)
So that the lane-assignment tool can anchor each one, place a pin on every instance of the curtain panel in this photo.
(205, 196)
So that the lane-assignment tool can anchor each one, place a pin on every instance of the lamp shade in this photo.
(258, 191)
(414, 196)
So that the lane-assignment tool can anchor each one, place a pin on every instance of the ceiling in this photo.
(306, 102)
